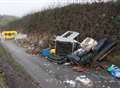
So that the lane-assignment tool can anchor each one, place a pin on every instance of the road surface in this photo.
(51, 75)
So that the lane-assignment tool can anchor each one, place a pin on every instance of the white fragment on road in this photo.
(49, 80)
(103, 86)
(66, 64)
(108, 87)
(112, 81)
(70, 82)
(99, 81)
(60, 82)
(46, 63)
(84, 80)
(50, 71)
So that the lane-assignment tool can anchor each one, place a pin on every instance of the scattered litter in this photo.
(49, 80)
(53, 51)
(108, 87)
(70, 82)
(66, 64)
(60, 82)
(81, 54)
(45, 52)
(46, 63)
(21, 36)
(103, 86)
(86, 81)
(80, 69)
(50, 71)
(114, 70)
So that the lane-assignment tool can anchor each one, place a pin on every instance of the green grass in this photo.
(6, 57)
(13, 69)
(2, 80)
(7, 19)
(2, 75)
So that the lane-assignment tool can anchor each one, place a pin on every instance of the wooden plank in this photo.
(101, 56)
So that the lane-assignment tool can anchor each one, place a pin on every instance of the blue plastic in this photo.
(45, 52)
(116, 73)
(114, 70)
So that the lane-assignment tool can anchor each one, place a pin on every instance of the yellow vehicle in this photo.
(9, 34)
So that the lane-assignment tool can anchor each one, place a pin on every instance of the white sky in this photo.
(23, 7)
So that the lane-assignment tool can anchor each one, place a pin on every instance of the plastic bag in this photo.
(114, 70)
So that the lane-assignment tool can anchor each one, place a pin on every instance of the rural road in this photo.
(51, 75)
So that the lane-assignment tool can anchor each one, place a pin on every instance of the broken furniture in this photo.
(90, 51)
(103, 46)
(66, 43)
(88, 44)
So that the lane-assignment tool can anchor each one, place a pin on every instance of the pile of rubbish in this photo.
(68, 50)
(35, 46)
(32, 46)
(114, 71)
(82, 79)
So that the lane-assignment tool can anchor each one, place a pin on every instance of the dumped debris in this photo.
(81, 80)
(114, 71)
(67, 64)
(21, 36)
(88, 44)
(84, 80)
(70, 82)
(67, 50)
(80, 68)
(66, 43)
(94, 54)
(32, 46)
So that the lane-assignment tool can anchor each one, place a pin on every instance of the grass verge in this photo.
(15, 74)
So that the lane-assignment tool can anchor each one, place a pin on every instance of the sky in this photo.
(24, 7)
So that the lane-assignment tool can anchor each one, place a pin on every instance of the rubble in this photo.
(84, 80)
(70, 82)
(114, 70)
(69, 51)
(32, 46)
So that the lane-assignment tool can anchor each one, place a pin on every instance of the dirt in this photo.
(15, 75)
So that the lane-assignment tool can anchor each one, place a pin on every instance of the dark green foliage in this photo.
(96, 20)
(5, 19)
